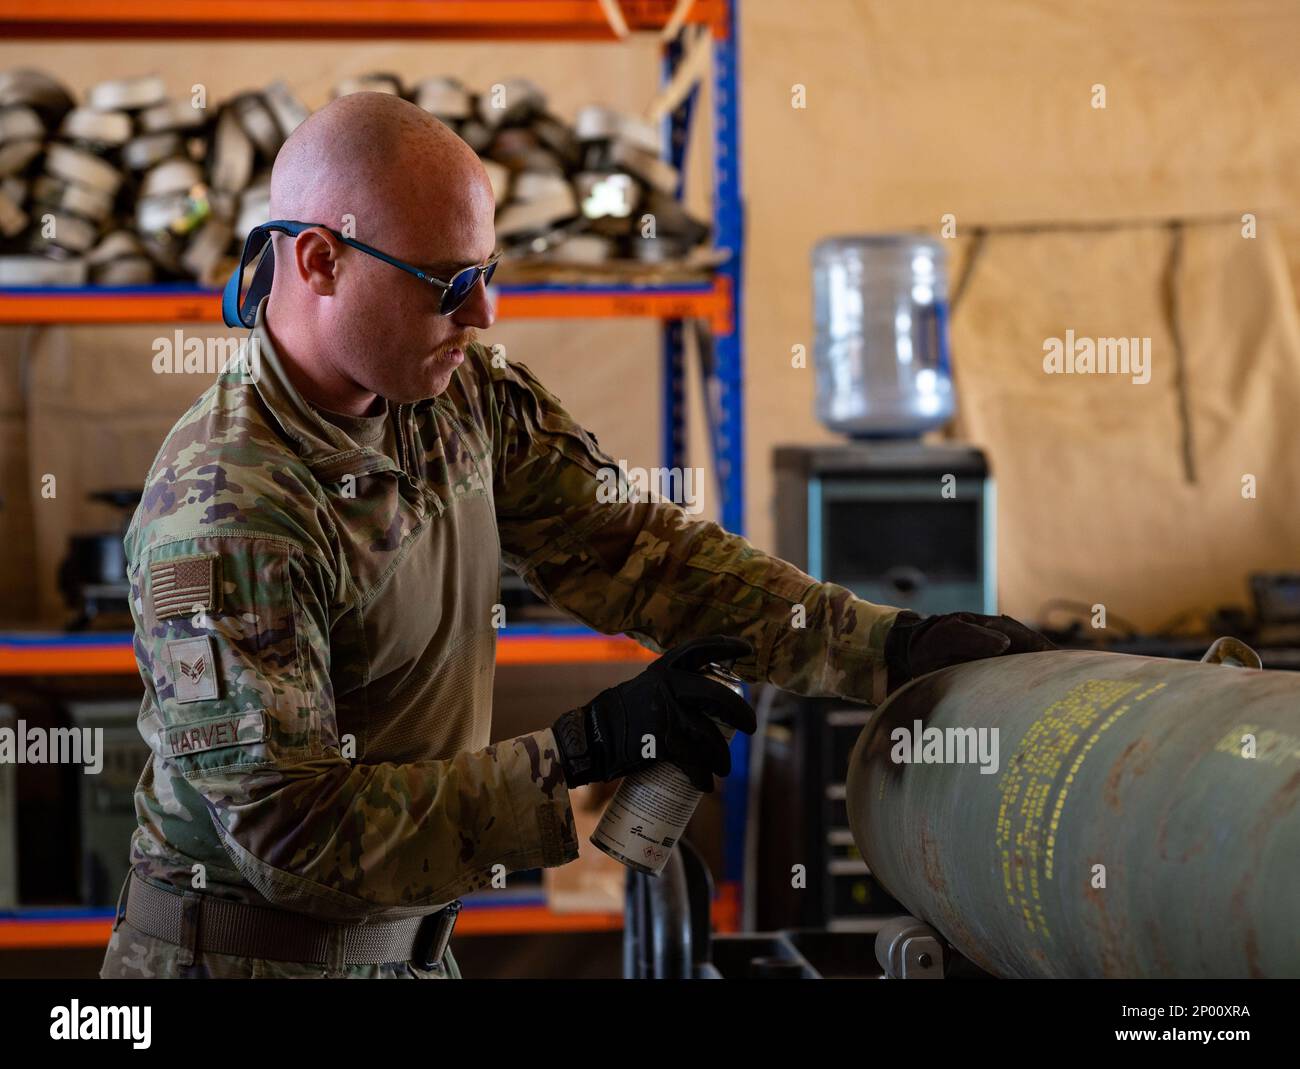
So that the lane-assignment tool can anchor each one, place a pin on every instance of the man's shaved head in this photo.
(371, 155)
(378, 169)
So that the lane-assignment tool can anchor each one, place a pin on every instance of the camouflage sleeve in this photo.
(232, 640)
(647, 569)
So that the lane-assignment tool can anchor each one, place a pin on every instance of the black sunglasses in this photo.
(243, 312)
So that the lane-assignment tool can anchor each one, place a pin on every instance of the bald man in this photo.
(314, 576)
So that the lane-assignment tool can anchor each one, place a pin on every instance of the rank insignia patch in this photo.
(194, 669)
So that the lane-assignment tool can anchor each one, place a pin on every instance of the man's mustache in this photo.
(460, 342)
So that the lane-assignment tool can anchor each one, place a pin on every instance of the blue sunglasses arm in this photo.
(370, 250)
(230, 295)
(230, 298)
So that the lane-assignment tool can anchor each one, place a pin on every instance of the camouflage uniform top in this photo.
(314, 628)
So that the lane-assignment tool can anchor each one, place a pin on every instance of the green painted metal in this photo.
(1143, 819)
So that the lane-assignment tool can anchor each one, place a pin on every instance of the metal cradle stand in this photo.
(667, 935)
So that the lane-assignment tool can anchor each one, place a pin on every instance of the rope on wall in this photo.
(1170, 285)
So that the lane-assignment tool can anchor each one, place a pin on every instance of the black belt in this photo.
(203, 922)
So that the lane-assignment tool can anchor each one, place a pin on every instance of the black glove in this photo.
(915, 646)
(670, 701)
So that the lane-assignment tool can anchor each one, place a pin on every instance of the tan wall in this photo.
(914, 110)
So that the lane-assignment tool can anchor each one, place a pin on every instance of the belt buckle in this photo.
(433, 936)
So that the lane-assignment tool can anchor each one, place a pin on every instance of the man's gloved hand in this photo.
(915, 646)
(670, 701)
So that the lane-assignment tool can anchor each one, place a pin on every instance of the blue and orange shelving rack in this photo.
(715, 304)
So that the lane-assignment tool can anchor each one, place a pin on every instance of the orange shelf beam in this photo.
(25, 933)
(117, 658)
(109, 660)
(193, 306)
(574, 20)
(517, 920)
(713, 304)
(571, 650)
(45, 306)
(33, 933)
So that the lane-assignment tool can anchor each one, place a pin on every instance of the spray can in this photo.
(652, 807)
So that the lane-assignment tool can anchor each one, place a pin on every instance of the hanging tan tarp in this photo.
(1135, 496)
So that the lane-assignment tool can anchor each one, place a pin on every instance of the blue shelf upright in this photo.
(721, 354)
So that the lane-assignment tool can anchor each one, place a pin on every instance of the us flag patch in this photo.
(183, 585)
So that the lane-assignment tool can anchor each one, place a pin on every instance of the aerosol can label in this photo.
(651, 808)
